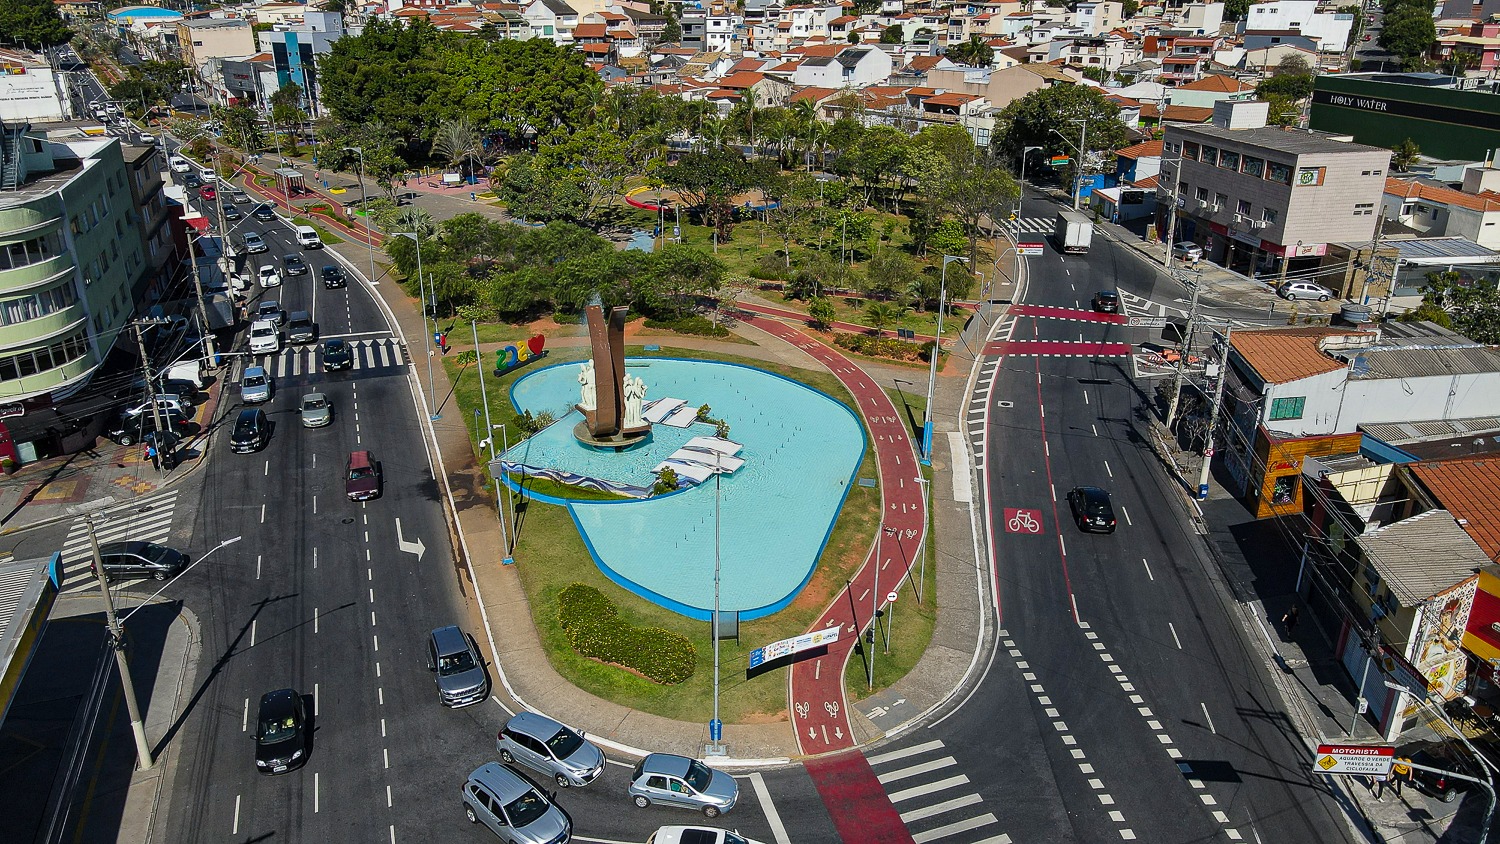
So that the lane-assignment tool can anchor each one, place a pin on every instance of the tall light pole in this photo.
(117, 644)
(1021, 194)
(937, 347)
(1081, 150)
(489, 437)
(426, 341)
(716, 726)
(364, 202)
(1213, 415)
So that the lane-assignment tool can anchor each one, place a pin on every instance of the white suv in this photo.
(265, 339)
(1295, 290)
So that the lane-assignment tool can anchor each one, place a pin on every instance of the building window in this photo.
(1268, 214)
(13, 311)
(1254, 167)
(1190, 150)
(1229, 160)
(1203, 194)
(1278, 172)
(1211, 156)
(1243, 208)
(1364, 208)
(28, 252)
(1287, 408)
(1220, 200)
(40, 360)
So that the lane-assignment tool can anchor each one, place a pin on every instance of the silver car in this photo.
(255, 387)
(680, 781)
(316, 411)
(540, 743)
(452, 656)
(1187, 251)
(513, 808)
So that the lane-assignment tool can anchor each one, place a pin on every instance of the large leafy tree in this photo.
(968, 182)
(1473, 307)
(576, 177)
(1292, 78)
(286, 112)
(1038, 118)
(974, 52)
(34, 23)
(148, 84)
(1409, 31)
(708, 181)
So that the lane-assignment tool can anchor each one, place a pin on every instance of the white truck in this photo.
(1074, 232)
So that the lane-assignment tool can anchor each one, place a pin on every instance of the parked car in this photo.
(129, 430)
(265, 338)
(362, 480)
(207, 193)
(254, 243)
(1107, 301)
(256, 387)
(1294, 290)
(696, 835)
(251, 431)
(1092, 511)
(1187, 251)
(316, 411)
(545, 745)
(679, 781)
(282, 735)
(168, 403)
(230, 211)
(513, 808)
(140, 559)
(1449, 757)
(270, 310)
(265, 213)
(457, 667)
(301, 329)
(333, 276)
(294, 264)
(268, 276)
(336, 355)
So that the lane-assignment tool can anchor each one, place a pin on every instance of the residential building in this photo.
(1138, 162)
(1438, 210)
(295, 49)
(1260, 198)
(202, 39)
(1480, 40)
(70, 257)
(1385, 109)
(1096, 17)
(1265, 60)
(1100, 52)
(1210, 90)
(1184, 59)
(1332, 29)
(847, 67)
(999, 88)
(30, 90)
(1199, 18)
(553, 20)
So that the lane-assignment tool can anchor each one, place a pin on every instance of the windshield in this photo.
(263, 331)
(273, 730)
(699, 776)
(525, 809)
(255, 380)
(452, 663)
(314, 404)
(361, 473)
(564, 743)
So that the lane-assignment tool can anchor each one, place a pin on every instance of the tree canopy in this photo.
(974, 52)
(1473, 307)
(1292, 79)
(1408, 30)
(34, 23)
(1039, 117)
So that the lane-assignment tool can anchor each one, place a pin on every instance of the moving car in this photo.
(268, 276)
(281, 732)
(513, 808)
(256, 386)
(294, 264)
(230, 211)
(265, 339)
(301, 329)
(140, 559)
(207, 193)
(316, 411)
(238, 195)
(207, 174)
(251, 431)
(1294, 290)
(253, 241)
(543, 744)
(362, 480)
(336, 355)
(265, 213)
(457, 667)
(696, 835)
(1187, 251)
(191, 181)
(270, 310)
(178, 164)
(1092, 511)
(307, 238)
(1107, 302)
(333, 276)
(679, 781)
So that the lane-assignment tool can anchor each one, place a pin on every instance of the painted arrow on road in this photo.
(410, 547)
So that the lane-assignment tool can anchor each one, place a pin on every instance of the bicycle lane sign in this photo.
(1022, 520)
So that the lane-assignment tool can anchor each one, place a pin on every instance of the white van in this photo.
(307, 238)
(179, 164)
(190, 371)
(264, 338)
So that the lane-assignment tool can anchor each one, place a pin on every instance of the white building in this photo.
(850, 67)
(1330, 28)
(30, 91)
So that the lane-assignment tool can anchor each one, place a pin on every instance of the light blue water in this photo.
(801, 451)
(642, 241)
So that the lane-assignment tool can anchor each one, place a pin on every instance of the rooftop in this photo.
(1422, 556)
(1411, 361)
(1282, 355)
(1483, 201)
(1466, 488)
(1442, 250)
(1296, 142)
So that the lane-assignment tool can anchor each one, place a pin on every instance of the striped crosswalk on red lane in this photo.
(1075, 314)
(1058, 348)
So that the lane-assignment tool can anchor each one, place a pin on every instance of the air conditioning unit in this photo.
(1260, 224)
(1241, 218)
(1202, 203)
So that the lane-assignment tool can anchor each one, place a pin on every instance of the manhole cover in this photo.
(347, 521)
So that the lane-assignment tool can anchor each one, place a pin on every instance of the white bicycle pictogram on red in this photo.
(1019, 520)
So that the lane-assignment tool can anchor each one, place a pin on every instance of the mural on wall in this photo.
(1436, 652)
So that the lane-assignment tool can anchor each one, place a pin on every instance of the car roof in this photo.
(134, 546)
(301, 315)
(335, 341)
(255, 370)
(502, 781)
(336, 267)
(262, 323)
(362, 458)
(278, 703)
(666, 763)
(249, 414)
(534, 724)
(1093, 493)
(315, 396)
(448, 638)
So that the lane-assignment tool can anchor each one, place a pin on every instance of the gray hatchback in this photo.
(540, 743)
(513, 808)
(680, 781)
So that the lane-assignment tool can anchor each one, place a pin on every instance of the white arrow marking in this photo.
(811, 733)
(838, 733)
(410, 547)
(899, 701)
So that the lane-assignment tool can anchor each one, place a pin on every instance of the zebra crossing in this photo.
(368, 355)
(935, 801)
(146, 519)
(1034, 225)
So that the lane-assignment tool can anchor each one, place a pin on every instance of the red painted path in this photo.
(856, 800)
(1075, 314)
(801, 319)
(819, 711)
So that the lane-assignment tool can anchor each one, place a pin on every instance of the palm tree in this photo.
(749, 99)
(882, 314)
(459, 142)
(786, 139)
(715, 130)
(806, 112)
(816, 137)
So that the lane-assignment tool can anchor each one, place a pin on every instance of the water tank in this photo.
(1355, 314)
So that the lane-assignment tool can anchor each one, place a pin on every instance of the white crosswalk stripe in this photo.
(306, 360)
(1035, 225)
(935, 801)
(146, 519)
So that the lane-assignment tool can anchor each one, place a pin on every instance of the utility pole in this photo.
(489, 436)
(117, 644)
(1213, 415)
(1187, 345)
(1171, 235)
(1364, 290)
(156, 411)
(208, 334)
(1083, 153)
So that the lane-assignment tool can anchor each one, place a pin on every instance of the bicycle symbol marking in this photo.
(1019, 520)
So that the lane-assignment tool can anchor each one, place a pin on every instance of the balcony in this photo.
(36, 274)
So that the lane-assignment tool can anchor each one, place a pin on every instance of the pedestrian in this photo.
(1401, 773)
(1386, 782)
(1289, 621)
(151, 454)
(443, 341)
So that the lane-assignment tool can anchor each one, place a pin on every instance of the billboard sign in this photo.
(784, 652)
(1360, 759)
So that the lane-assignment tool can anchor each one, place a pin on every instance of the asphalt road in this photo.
(1132, 699)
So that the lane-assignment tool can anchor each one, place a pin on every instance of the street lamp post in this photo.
(937, 347)
(1021, 194)
(716, 726)
(484, 398)
(364, 202)
(426, 341)
(117, 644)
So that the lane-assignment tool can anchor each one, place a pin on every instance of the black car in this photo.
(129, 430)
(333, 276)
(1107, 302)
(293, 264)
(301, 329)
(251, 431)
(1449, 757)
(281, 732)
(230, 211)
(1092, 511)
(337, 354)
(265, 213)
(191, 180)
(140, 559)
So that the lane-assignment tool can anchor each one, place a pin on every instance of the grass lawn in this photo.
(500, 332)
(551, 555)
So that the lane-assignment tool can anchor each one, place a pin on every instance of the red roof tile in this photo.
(1465, 487)
(1282, 355)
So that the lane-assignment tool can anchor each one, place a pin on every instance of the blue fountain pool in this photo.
(802, 449)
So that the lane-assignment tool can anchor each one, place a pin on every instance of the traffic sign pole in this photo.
(890, 619)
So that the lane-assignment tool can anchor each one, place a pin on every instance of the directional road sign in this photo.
(1363, 759)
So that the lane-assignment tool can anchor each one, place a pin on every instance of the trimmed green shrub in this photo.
(881, 346)
(594, 629)
(689, 325)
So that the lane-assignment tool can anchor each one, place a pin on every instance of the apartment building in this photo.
(1259, 198)
(295, 49)
(1332, 29)
(214, 38)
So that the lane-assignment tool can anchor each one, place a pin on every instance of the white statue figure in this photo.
(635, 395)
(588, 395)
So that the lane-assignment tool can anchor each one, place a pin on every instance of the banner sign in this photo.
(1031, 248)
(763, 658)
(1362, 759)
